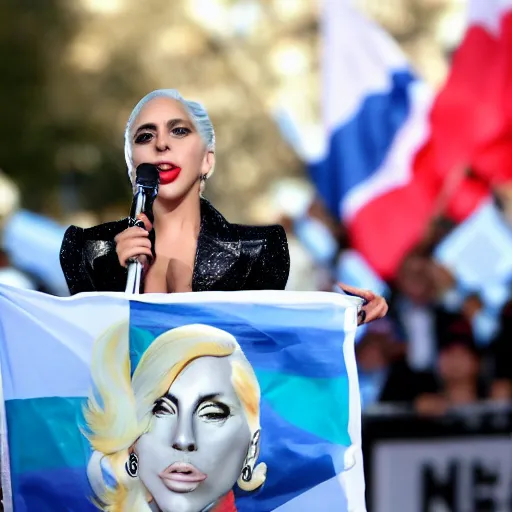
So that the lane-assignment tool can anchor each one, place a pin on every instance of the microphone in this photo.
(147, 179)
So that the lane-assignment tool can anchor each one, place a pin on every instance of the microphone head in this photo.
(147, 175)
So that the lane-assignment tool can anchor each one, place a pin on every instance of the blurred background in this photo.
(378, 132)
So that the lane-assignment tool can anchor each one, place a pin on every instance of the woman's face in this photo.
(163, 134)
(196, 447)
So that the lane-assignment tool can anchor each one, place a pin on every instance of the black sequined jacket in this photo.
(229, 257)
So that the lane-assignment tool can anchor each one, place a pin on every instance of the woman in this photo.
(196, 249)
(182, 430)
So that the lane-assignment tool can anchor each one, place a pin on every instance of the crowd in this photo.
(443, 344)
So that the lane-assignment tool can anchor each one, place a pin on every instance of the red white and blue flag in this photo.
(395, 155)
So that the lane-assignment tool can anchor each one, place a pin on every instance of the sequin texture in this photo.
(229, 257)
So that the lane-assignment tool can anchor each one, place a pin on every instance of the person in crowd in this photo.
(501, 354)
(456, 379)
(377, 352)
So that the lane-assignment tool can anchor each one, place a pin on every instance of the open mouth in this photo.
(168, 172)
(163, 167)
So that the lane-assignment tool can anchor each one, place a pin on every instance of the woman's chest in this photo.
(173, 270)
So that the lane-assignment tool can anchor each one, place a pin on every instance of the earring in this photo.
(252, 456)
(246, 473)
(203, 177)
(132, 465)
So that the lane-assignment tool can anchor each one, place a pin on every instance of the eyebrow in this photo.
(170, 125)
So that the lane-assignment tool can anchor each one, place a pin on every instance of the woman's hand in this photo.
(134, 243)
(375, 306)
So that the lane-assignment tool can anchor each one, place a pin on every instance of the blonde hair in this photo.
(120, 409)
(197, 113)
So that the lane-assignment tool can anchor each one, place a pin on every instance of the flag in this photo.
(394, 157)
(375, 119)
(470, 121)
(107, 395)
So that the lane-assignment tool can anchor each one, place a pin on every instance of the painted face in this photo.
(195, 450)
(163, 135)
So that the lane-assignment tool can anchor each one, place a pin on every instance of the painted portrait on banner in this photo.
(215, 403)
(175, 425)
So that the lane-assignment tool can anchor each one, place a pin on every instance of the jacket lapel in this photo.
(218, 265)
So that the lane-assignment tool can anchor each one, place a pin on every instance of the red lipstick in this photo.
(168, 172)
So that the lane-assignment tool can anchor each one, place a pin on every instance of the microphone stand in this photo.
(134, 281)
(135, 269)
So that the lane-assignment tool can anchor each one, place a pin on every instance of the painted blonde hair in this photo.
(119, 409)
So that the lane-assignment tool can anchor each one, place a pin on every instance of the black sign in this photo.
(462, 463)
